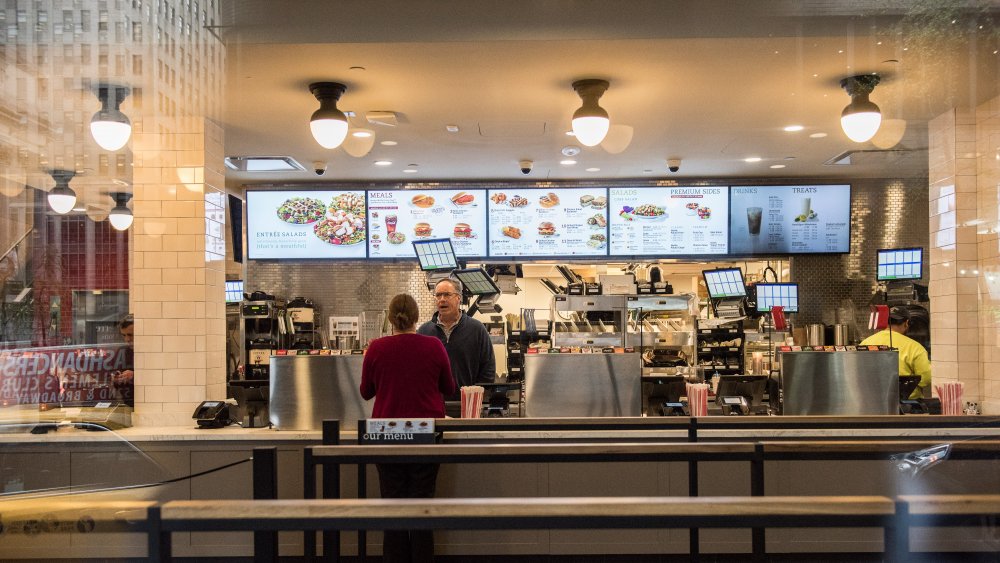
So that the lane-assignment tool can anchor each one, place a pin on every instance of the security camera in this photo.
(673, 164)
(525, 166)
(319, 167)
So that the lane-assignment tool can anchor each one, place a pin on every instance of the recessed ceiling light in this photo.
(567, 162)
(593, 170)
(361, 134)
(793, 128)
(817, 135)
(752, 159)
(388, 143)
(383, 163)
(451, 128)
(410, 170)
(570, 134)
(777, 166)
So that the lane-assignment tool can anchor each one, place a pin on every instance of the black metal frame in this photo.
(761, 453)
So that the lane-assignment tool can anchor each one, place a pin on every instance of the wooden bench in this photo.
(517, 513)
(84, 513)
(941, 510)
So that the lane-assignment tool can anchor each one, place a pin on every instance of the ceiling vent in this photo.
(879, 157)
(386, 118)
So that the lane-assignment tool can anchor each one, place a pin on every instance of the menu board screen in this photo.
(400, 217)
(306, 224)
(790, 219)
(669, 221)
(548, 222)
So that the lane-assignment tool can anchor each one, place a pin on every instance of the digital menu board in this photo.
(669, 221)
(548, 222)
(790, 219)
(306, 224)
(399, 217)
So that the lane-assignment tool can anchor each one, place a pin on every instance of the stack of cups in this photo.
(950, 394)
(697, 394)
(472, 401)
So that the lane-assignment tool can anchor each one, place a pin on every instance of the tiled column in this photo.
(988, 188)
(178, 277)
(954, 260)
(965, 251)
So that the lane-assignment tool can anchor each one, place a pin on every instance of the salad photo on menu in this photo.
(306, 224)
(673, 221)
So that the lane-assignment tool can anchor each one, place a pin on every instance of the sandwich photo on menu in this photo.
(422, 200)
(422, 230)
(462, 198)
(463, 230)
(546, 229)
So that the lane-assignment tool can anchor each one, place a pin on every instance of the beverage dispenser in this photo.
(264, 329)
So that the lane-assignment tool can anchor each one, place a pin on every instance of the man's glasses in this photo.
(444, 295)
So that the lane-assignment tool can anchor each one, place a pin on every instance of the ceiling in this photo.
(709, 82)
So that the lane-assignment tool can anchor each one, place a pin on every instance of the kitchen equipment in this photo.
(841, 335)
(814, 335)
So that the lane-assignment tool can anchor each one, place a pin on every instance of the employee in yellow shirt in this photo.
(913, 358)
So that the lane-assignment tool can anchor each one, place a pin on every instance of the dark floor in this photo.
(709, 558)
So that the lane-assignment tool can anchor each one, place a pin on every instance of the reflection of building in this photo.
(55, 54)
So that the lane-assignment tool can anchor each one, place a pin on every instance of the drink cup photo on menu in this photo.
(754, 215)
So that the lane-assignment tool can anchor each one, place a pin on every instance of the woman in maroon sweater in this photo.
(409, 375)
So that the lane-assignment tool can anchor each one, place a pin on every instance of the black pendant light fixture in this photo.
(110, 127)
(62, 198)
(120, 216)
(328, 124)
(861, 119)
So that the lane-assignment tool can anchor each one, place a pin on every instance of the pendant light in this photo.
(62, 198)
(110, 127)
(328, 124)
(120, 216)
(590, 122)
(861, 118)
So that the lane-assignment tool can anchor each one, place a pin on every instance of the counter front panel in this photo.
(578, 385)
(306, 390)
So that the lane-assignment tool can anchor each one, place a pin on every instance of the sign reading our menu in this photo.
(790, 219)
(669, 221)
(399, 217)
(306, 224)
(548, 222)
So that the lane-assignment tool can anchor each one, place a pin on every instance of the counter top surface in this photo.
(267, 435)
(165, 434)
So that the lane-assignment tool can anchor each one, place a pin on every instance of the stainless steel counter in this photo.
(840, 383)
(306, 390)
(582, 385)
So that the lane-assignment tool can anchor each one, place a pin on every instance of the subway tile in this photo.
(161, 393)
(179, 376)
(159, 327)
(178, 343)
(179, 276)
(191, 393)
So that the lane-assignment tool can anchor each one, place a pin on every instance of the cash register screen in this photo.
(900, 264)
(778, 295)
(435, 254)
(725, 283)
(234, 291)
(477, 282)
(750, 387)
